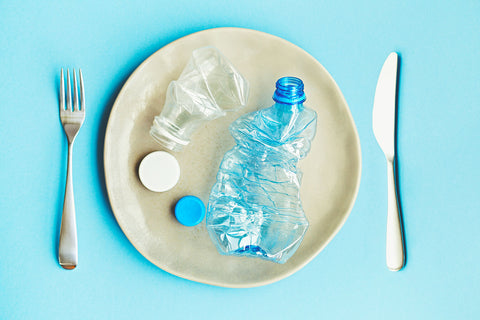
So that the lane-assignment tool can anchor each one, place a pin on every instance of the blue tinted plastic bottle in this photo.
(254, 207)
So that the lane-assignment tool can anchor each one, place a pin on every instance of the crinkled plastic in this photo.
(254, 208)
(208, 87)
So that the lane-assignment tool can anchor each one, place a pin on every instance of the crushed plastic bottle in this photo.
(254, 207)
(208, 88)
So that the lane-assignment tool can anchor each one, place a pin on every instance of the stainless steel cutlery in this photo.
(384, 113)
(72, 119)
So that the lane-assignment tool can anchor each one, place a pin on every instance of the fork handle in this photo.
(395, 245)
(67, 247)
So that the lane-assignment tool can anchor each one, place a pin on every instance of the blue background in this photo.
(438, 152)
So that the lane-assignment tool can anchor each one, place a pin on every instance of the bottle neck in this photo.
(289, 93)
(289, 107)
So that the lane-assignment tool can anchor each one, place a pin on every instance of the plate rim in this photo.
(332, 235)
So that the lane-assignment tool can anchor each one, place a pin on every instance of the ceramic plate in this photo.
(331, 170)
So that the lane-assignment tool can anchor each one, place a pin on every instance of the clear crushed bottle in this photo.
(254, 207)
(208, 88)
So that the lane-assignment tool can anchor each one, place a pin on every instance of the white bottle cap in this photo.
(159, 171)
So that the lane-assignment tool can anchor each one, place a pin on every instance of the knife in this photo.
(384, 106)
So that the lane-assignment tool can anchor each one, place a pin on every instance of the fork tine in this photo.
(69, 92)
(62, 92)
(75, 93)
(82, 93)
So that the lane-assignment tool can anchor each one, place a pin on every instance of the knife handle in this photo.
(395, 244)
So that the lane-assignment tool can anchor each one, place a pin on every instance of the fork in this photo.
(72, 120)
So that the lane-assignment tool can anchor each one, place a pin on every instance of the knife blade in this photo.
(383, 119)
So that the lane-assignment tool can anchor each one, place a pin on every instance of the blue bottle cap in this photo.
(189, 211)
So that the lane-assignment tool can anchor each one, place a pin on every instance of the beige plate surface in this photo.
(331, 170)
